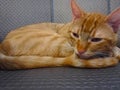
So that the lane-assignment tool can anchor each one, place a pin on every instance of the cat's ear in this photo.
(114, 19)
(76, 11)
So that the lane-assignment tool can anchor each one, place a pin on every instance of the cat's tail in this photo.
(28, 62)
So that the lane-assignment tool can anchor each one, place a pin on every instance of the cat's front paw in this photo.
(116, 51)
(95, 63)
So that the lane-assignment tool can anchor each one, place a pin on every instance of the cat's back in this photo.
(41, 39)
(36, 28)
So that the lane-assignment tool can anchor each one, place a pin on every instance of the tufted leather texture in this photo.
(61, 78)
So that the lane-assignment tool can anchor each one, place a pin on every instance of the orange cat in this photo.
(88, 41)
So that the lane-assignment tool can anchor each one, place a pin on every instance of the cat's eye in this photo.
(96, 39)
(75, 35)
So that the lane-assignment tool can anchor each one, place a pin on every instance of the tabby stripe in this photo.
(60, 47)
(93, 25)
(83, 26)
(93, 30)
(15, 33)
(35, 46)
(86, 23)
(21, 32)
(50, 43)
(59, 44)
(32, 36)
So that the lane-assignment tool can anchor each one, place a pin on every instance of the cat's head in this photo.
(94, 34)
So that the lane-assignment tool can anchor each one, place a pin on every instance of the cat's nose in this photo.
(81, 52)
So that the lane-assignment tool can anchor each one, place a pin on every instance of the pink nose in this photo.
(81, 52)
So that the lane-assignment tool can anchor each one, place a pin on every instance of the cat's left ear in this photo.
(113, 19)
(76, 11)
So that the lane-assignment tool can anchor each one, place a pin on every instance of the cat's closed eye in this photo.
(75, 35)
(95, 39)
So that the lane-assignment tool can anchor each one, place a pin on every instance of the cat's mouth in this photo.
(94, 56)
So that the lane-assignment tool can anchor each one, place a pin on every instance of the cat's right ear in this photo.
(113, 20)
(76, 11)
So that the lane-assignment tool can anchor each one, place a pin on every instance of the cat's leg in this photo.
(91, 63)
(116, 51)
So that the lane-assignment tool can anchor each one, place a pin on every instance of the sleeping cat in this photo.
(88, 41)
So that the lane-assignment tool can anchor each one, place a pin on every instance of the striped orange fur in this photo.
(89, 41)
